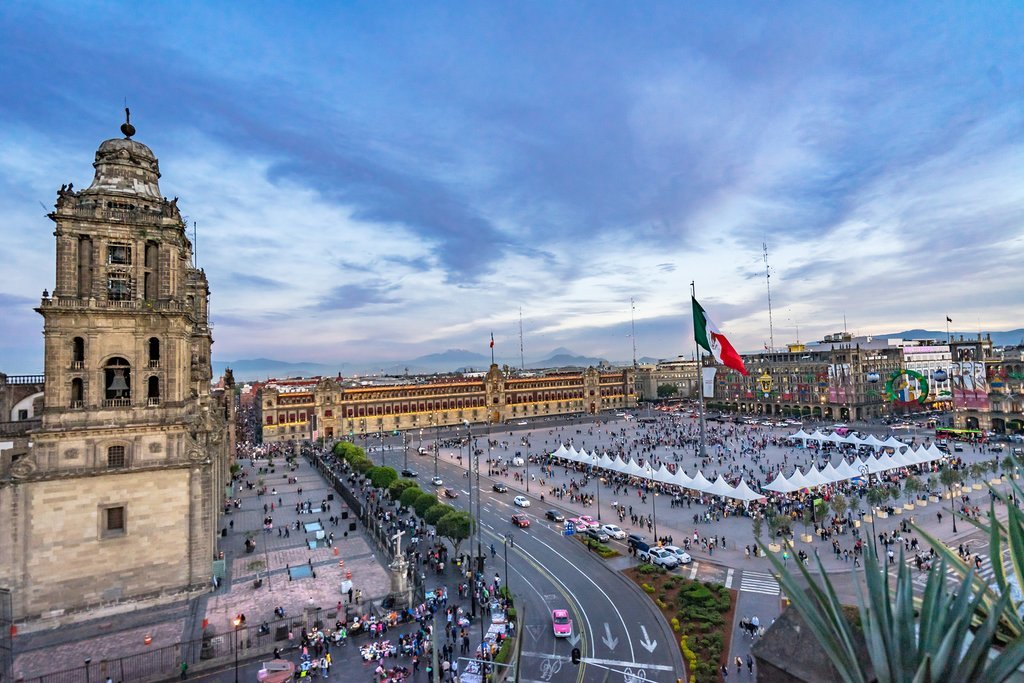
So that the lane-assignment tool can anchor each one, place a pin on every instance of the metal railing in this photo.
(116, 402)
(12, 380)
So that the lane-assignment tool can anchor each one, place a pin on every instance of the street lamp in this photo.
(237, 621)
(597, 485)
(476, 522)
(88, 661)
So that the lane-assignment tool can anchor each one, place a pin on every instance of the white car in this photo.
(659, 556)
(437, 481)
(517, 462)
(521, 501)
(681, 555)
(614, 531)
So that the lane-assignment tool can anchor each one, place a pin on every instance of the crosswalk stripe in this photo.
(759, 582)
(693, 570)
(728, 578)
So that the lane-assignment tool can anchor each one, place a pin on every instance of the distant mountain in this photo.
(1007, 338)
(262, 368)
(564, 360)
(456, 356)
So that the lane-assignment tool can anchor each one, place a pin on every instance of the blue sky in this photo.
(375, 181)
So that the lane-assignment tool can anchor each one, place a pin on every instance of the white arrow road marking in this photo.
(607, 637)
(605, 662)
(574, 639)
(534, 630)
(647, 643)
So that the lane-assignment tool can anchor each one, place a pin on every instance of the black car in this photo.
(411, 474)
(597, 535)
(555, 516)
(634, 539)
(500, 488)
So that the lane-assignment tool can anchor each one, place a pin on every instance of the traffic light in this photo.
(575, 655)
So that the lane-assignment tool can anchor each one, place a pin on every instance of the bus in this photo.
(959, 434)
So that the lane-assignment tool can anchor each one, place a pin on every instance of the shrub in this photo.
(436, 512)
(675, 624)
(647, 569)
(648, 588)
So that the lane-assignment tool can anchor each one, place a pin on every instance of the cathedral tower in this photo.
(117, 499)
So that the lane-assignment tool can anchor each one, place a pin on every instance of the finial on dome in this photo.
(127, 128)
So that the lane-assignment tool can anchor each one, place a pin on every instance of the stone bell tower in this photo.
(117, 500)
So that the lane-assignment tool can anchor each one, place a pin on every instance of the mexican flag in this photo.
(706, 332)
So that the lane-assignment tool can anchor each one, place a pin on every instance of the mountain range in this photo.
(461, 360)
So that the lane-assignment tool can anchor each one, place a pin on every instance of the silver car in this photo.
(681, 555)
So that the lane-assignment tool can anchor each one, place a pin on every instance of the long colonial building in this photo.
(109, 494)
(327, 407)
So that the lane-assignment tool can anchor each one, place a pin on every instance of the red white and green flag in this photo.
(708, 336)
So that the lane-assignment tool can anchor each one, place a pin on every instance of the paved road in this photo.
(615, 624)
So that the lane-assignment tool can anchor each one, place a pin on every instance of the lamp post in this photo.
(88, 661)
(509, 540)
(476, 522)
(597, 485)
(237, 621)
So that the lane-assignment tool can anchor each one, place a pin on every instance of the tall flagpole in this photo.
(492, 348)
(700, 375)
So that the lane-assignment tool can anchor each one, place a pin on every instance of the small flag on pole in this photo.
(948, 319)
(492, 340)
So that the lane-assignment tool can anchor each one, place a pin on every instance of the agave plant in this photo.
(1002, 535)
(907, 640)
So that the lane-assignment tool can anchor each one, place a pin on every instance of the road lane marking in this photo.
(728, 578)
(693, 570)
(759, 582)
(606, 662)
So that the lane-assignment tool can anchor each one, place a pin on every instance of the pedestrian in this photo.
(750, 664)
(739, 665)
(184, 670)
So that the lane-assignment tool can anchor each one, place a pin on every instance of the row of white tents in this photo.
(851, 439)
(902, 457)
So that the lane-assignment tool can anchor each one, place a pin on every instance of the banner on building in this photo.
(970, 385)
(708, 376)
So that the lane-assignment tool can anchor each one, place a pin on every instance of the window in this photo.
(114, 521)
(119, 255)
(117, 385)
(153, 391)
(77, 352)
(115, 457)
(77, 393)
(153, 347)
(22, 414)
(119, 288)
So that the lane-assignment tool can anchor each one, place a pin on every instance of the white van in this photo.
(517, 462)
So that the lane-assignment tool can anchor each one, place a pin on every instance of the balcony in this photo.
(152, 402)
(77, 364)
(77, 405)
(154, 363)
(116, 403)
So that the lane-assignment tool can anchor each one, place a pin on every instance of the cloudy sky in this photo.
(376, 181)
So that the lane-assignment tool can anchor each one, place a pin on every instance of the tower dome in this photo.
(127, 168)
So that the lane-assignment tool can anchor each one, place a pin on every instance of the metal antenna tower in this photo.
(522, 358)
(768, 284)
(632, 324)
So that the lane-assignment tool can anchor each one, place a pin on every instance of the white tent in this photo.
(798, 481)
(683, 479)
(780, 484)
(935, 453)
(834, 438)
(852, 439)
(893, 442)
(700, 482)
(815, 478)
(831, 474)
(616, 465)
(605, 462)
(572, 453)
(846, 470)
(873, 441)
(721, 488)
(903, 458)
(745, 493)
(817, 435)
(634, 469)
(664, 476)
(560, 453)
(801, 434)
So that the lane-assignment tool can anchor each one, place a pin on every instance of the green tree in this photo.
(667, 390)
(382, 477)
(855, 504)
(950, 477)
(977, 471)
(911, 487)
(397, 488)
(455, 527)
(876, 497)
(410, 496)
(424, 503)
(757, 526)
(839, 505)
(436, 512)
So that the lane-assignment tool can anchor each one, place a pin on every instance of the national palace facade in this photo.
(332, 408)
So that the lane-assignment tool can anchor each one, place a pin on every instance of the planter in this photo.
(856, 524)
(996, 481)
(883, 515)
(933, 499)
(977, 487)
(868, 519)
(895, 511)
(922, 503)
(774, 547)
(908, 506)
(806, 538)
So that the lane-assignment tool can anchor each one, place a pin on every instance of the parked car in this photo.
(521, 521)
(658, 556)
(517, 462)
(554, 516)
(411, 474)
(451, 493)
(437, 481)
(521, 501)
(632, 540)
(614, 531)
(596, 534)
(681, 555)
(561, 623)
(500, 488)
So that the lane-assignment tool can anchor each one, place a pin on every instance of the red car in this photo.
(521, 521)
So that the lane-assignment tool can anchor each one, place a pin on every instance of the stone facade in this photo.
(500, 396)
(679, 373)
(117, 498)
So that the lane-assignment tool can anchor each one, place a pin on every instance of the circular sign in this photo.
(907, 386)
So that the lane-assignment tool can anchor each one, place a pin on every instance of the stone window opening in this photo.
(153, 348)
(113, 521)
(117, 375)
(153, 391)
(119, 255)
(115, 457)
(77, 353)
(77, 393)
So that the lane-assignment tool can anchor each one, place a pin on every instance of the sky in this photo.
(377, 181)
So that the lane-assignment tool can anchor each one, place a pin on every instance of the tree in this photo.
(839, 505)
(855, 504)
(666, 390)
(757, 525)
(876, 496)
(977, 471)
(436, 512)
(410, 496)
(455, 527)
(382, 477)
(911, 487)
(397, 488)
(424, 503)
(950, 477)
